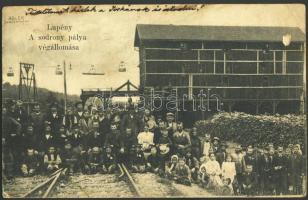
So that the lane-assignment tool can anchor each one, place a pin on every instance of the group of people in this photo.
(93, 140)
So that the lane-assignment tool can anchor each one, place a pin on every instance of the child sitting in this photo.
(170, 168)
(52, 160)
(30, 163)
(228, 168)
(139, 162)
(153, 161)
(182, 173)
(109, 162)
(226, 188)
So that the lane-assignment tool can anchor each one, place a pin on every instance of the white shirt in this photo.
(146, 137)
(228, 170)
(206, 148)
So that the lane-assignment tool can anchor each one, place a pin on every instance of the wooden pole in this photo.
(65, 92)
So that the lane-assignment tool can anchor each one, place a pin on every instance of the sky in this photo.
(110, 39)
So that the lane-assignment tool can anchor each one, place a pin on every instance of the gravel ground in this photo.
(151, 185)
(95, 186)
(21, 185)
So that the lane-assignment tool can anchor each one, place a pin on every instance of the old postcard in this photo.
(102, 101)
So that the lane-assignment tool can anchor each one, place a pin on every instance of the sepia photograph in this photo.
(154, 101)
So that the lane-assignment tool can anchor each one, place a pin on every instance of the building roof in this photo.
(215, 33)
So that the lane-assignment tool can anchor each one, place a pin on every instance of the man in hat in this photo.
(79, 111)
(171, 124)
(69, 119)
(221, 154)
(127, 141)
(20, 113)
(280, 171)
(95, 161)
(181, 140)
(37, 119)
(47, 140)
(266, 171)
(164, 144)
(215, 144)
(70, 158)
(237, 157)
(55, 118)
(130, 120)
(195, 144)
(250, 159)
(297, 171)
(104, 120)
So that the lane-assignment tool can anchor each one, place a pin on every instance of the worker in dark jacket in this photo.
(153, 161)
(30, 163)
(95, 161)
(280, 172)
(193, 163)
(195, 144)
(181, 140)
(297, 171)
(37, 119)
(249, 181)
(94, 138)
(109, 160)
(70, 158)
(266, 172)
(29, 139)
(127, 141)
(130, 120)
(221, 154)
(138, 160)
(113, 139)
(55, 119)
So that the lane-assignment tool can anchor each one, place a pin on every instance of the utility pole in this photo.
(65, 91)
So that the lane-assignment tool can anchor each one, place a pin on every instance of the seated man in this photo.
(170, 168)
(138, 161)
(181, 140)
(95, 161)
(182, 173)
(153, 161)
(109, 161)
(164, 145)
(193, 164)
(70, 158)
(52, 160)
(30, 163)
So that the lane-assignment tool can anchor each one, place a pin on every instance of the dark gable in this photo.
(215, 33)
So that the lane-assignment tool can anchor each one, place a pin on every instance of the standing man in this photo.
(171, 124)
(280, 172)
(297, 170)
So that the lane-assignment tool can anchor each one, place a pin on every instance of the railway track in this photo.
(43, 190)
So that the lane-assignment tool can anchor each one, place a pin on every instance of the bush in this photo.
(255, 129)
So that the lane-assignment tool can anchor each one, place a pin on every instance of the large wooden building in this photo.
(251, 69)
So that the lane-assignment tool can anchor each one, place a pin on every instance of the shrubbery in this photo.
(255, 129)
